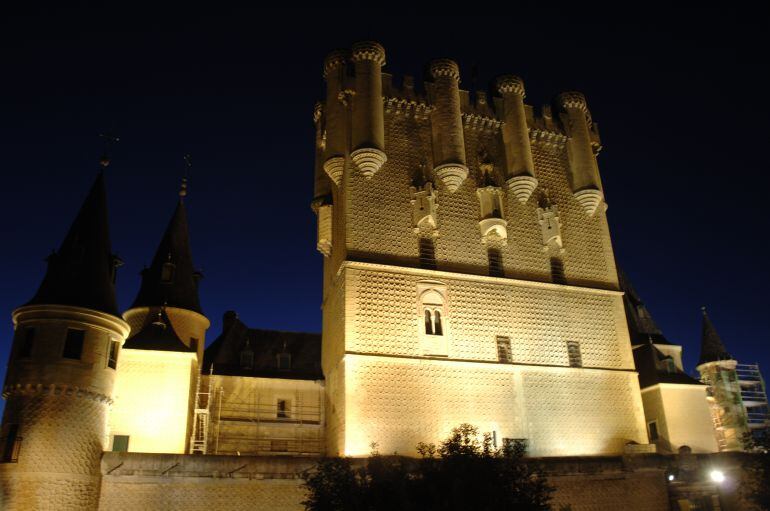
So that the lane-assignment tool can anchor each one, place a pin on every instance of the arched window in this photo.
(437, 329)
(432, 314)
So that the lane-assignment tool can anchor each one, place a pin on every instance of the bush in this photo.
(462, 472)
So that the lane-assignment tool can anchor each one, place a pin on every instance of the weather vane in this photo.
(109, 141)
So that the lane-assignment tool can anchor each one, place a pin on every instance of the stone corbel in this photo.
(423, 200)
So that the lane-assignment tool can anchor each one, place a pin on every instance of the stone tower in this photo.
(717, 369)
(60, 378)
(156, 377)
(469, 274)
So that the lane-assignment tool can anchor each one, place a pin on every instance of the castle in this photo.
(468, 276)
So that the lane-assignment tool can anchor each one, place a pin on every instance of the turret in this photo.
(171, 282)
(717, 369)
(61, 372)
(583, 171)
(449, 164)
(335, 116)
(519, 167)
(161, 357)
(368, 137)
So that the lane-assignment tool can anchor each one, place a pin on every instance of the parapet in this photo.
(368, 50)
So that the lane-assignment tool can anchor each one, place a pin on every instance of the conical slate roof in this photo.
(82, 272)
(171, 279)
(711, 346)
(641, 327)
(157, 334)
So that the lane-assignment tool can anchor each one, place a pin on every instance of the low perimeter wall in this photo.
(148, 482)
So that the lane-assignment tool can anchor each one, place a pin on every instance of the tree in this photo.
(465, 471)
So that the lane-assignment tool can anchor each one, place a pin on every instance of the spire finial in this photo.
(109, 141)
(183, 186)
(703, 309)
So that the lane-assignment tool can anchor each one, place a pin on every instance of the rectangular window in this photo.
(427, 253)
(573, 352)
(653, 428)
(10, 444)
(504, 350)
(557, 271)
(279, 445)
(73, 343)
(282, 409)
(112, 359)
(495, 262)
(120, 443)
(167, 272)
(25, 351)
(284, 361)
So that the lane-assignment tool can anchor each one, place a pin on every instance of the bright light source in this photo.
(717, 476)
(671, 477)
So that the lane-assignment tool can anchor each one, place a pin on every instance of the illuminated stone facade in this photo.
(469, 277)
(463, 310)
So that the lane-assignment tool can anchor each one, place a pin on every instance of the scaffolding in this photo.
(754, 396)
(728, 414)
(263, 420)
(200, 430)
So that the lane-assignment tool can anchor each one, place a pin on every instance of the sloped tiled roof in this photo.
(157, 334)
(182, 289)
(711, 348)
(653, 369)
(81, 272)
(641, 327)
(225, 352)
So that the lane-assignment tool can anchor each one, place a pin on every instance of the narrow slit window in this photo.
(653, 427)
(427, 253)
(495, 257)
(26, 343)
(428, 322)
(112, 359)
(573, 352)
(504, 350)
(73, 344)
(557, 271)
(10, 444)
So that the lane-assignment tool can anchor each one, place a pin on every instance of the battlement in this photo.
(479, 149)
(480, 110)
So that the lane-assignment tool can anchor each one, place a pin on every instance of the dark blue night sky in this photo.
(681, 104)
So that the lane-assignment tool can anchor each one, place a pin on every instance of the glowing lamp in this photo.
(717, 476)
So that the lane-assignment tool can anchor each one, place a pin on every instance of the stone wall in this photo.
(148, 482)
(398, 386)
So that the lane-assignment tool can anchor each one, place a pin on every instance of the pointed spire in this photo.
(641, 326)
(711, 348)
(171, 278)
(82, 272)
